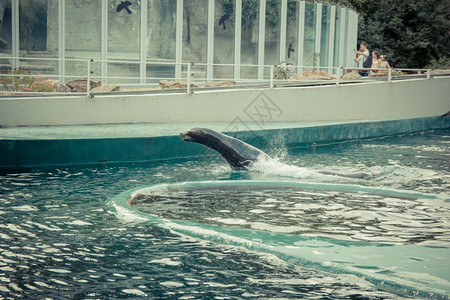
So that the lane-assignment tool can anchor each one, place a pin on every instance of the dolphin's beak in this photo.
(186, 137)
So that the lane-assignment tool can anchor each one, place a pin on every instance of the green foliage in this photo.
(412, 34)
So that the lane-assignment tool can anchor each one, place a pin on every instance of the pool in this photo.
(279, 230)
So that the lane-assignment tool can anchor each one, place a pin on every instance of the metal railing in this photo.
(193, 75)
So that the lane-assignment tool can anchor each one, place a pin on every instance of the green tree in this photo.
(412, 34)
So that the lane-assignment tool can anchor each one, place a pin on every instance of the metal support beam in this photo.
(143, 44)
(355, 36)
(237, 39)
(318, 34)
(342, 29)
(283, 24)
(104, 42)
(179, 40)
(301, 35)
(331, 36)
(210, 42)
(15, 32)
(261, 37)
(61, 40)
(349, 53)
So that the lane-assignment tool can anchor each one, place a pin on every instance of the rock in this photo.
(166, 84)
(79, 85)
(170, 84)
(50, 85)
(61, 88)
(351, 75)
(223, 83)
(106, 88)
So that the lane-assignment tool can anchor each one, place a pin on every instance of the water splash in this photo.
(271, 166)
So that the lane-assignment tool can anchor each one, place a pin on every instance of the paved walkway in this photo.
(142, 130)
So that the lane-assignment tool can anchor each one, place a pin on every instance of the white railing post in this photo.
(88, 78)
(428, 73)
(188, 79)
(271, 77)
(338, 75)
(389, 74)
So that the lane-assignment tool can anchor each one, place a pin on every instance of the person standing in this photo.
(362, 55)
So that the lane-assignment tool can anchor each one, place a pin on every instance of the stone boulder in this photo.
(79, 85)
(222, 83)
(50, 85)
(106, 88)
(170, 84)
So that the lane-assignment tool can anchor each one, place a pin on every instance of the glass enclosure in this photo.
(135, 42)
(325, 36)
(337, 37)
(161, 39)
(224, 27)
(249, 38)
(123, 47)
(309, 53)
(292, 32)
(272, 33)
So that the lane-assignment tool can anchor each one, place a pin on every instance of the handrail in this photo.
(336, 73)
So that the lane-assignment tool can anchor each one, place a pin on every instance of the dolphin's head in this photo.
(237, 153)
(197, 135)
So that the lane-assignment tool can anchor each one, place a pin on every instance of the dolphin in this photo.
(238, 154)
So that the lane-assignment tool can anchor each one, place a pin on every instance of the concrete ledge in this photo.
(403, 99)
(29, 153)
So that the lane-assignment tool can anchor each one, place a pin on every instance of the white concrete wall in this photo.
(368, 101)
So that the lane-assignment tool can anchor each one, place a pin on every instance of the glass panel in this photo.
(292, 34)
(344, 55)
(52, 27)
(224, 38)
(33, 29)
(324, 36)
(337, 35)
(309, 35)
(161, 31)
(32, 26)
(5, 35)
(249, 38)
(83, 25)
(124, 22)
(272, 36)
(82, 36)
(195, 35)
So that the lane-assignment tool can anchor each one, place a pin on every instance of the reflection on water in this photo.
(355, 215)
(58, 239)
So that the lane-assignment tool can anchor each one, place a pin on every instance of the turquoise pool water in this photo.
(60, 236)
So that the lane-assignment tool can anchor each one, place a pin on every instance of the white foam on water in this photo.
(45, 227)
(60, 282)
(216, 284)
(79, 223)
(136, 292)
(166, 261)
(25, 208)
(4, 289)
(171, 284)
(274, 167)
(229, 221)
(258, 211)
(61, 271)
(17, 229)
